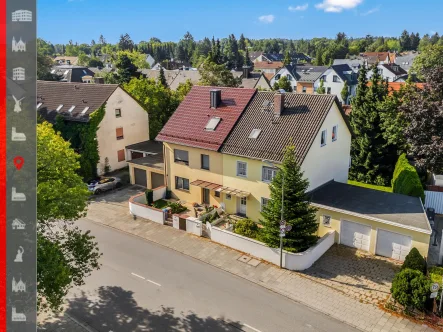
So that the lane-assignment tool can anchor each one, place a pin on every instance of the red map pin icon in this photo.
(18, 162)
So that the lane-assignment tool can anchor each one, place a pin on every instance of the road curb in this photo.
(83, 325)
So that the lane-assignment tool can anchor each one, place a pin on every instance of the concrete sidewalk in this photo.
(365, 317)
(62, 322)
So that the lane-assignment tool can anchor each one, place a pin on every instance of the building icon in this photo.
(22, 15)
(17, 317)
(18, 224)
(18, 74)
(18, 46)
(18, 286)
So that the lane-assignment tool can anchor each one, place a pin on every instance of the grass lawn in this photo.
(160, 204)
(370, 186)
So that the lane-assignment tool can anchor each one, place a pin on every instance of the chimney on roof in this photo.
(246, 71)
(279, 103)
(99, 80)
(215, 96)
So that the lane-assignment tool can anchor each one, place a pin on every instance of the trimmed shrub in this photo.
(406, 180)
(436, 274)
(177, 207)
(246, 227)
(415, 261)
(149, 196)
(411, 288)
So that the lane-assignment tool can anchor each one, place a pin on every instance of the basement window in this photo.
(254, 133)
(212, 123)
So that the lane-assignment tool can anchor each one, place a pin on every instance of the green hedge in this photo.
(246, 227)
(406, 180)
(411, 288)
(370, 186)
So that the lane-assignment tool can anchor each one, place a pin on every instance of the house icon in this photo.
(18, 286)
(18, 224)
(18, 316)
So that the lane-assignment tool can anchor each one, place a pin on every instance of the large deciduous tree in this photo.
(423, 111)
(297, 210)
(213, 74)
(373, 158)
(66, 255)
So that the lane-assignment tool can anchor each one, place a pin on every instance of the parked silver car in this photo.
(104, 184)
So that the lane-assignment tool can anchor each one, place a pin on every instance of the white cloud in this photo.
(371, 11)
(266, 18)
(337, 6)
(298, 8)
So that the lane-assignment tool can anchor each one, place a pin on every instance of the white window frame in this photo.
(272, 169)
(325, 131)
(326, 221)
(177, 179)
(335, 79)
(336, 133)
(119, 112)
(246, 169)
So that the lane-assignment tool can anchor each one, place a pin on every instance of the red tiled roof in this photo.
(396, 86)
(268, 65)
(269, 76)
(187, 125)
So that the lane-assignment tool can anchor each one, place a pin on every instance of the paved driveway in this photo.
(119, 196)
(355, 273)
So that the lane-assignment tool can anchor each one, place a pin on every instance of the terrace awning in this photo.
(220, 188)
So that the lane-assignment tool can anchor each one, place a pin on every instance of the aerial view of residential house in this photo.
(355, 63)
(230, 161)
(271, 67)
(66, 60)
(405, 60)
(71, 73)
(125, 122)
(304, 78)
(390, 72)
(334, 79)
(372, 58)
(192, 139)
(262, 56)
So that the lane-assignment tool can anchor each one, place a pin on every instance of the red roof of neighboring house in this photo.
(268, 76)
(187, 125)
(268, 65)
(396, 86)
(381, 56)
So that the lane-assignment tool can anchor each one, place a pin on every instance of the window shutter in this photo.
(121, 155)
(119, 132)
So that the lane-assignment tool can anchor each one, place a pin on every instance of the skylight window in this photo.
(39, 104)
(212, 123)
(254, 133)
(85, 110)
(71, 109)
(59, 107)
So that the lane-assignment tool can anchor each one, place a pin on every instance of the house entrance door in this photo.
(205, 196)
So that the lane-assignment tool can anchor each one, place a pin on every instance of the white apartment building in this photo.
(18, 74)
(22, 15)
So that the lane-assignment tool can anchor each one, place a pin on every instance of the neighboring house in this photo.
(372, 58)
(183, 76)
(146, 165)
(153, 74)
(150, 60)
(262, 56)
(406, 60)
(125, 121)
(396, 86)
(227, 154)
(66, 60)
(382, 223)
(70, 73)
(390, 72)
(268, 66)
(355, 64)
(251, 80)
(193, 137)
(334, 79)
(303, 78)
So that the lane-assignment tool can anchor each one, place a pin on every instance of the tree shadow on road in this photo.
(114, 309)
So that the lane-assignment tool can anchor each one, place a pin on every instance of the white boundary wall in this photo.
(291, 261)
(194, 226)
(138, 207)
(434, 199)
(159, 193)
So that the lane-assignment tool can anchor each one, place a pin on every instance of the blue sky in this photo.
(84, 20)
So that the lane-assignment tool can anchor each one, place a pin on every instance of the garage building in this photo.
(378, 222)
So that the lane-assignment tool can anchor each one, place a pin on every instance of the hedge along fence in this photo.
(406, 180)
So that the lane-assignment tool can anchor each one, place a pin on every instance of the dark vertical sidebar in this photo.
(21, 122)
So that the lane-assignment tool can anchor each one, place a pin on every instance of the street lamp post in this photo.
(282, 222)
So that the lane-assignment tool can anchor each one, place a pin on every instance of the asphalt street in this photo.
(142, 286)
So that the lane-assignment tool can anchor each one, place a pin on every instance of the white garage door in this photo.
(393, 245)
(355, 235)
